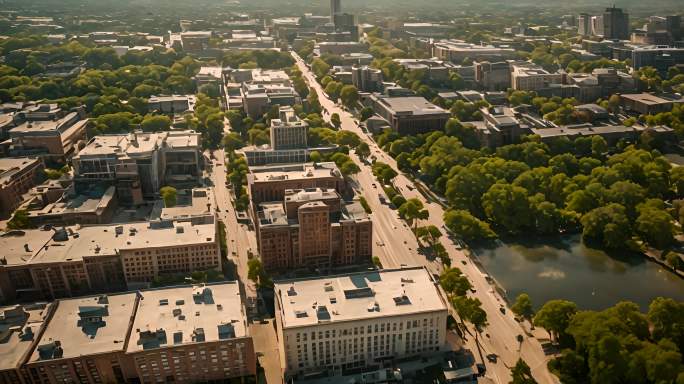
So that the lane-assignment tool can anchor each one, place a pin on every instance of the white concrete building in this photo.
(338, 323)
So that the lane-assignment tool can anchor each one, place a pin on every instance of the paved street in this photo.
(239, 239)
(400, 247)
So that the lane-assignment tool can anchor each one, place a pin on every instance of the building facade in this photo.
(142, 337)
(312, 228)
(340, 323)
(17, 176)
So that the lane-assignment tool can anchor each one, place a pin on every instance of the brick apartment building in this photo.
(312, 228)
(183, 334)
(72, 261)
(268, 183)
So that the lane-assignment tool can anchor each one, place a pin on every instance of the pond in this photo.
(564, 267)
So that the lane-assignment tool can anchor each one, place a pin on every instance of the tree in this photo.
(523, 306)
(675, 260)
(608, 224)
(315, 157)
(349, 96)
(555, 316)
(320, 68)
(169, 195)
(454, 282)
(366, 113)
(335, 120)
(347, 138)
(508, 206)
(20, 220)
(429, 234)
(362, 150)
(667, 319)
(232, 141)
(655, 226)
(412, 211)
(384, 172)
(156, 123)
(257, 274)
(521, 373)
(349, 168)
(467, 226)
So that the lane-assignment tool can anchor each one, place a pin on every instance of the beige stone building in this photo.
(334, 324)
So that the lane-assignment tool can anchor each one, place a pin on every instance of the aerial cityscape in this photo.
(341, 191)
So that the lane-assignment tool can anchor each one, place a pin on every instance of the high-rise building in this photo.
(335, 8)
(615, 24)
(674, 27)
(584, 24)
(313, 228)
(288, 131)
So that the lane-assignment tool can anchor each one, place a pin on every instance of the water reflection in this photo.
(563, 267)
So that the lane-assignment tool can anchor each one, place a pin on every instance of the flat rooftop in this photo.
(646, 98)
(11, 165)
(136, 143)
(202, 203)
(275, 173)
(86, 325)
(358, 296)
(188, 314)
(45, 125)
(411, 105)
(100, 240)
(19, 246)
(19, 325)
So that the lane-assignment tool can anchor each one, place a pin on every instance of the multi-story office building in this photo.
(259, 90)
(660, 58)
(312, 228)
(173, 104)
(456, 51)
(493, 76)
(337, 323)
(269, 183)
(183, 334)
(615, 24)
(49, 133)
(138, 163)
(409, 115)
(367, 79)
(530, 77)
(47, 264)
(20, 327)
(17, 176)
(288, 131)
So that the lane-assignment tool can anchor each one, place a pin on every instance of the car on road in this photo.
(464, 262)
(492, 357)
(502, 309)
(374, 186)
(410, 188)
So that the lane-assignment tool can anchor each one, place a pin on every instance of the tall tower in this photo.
(335, 9)
(615, 24)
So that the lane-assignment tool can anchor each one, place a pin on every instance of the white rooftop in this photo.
(358, 296)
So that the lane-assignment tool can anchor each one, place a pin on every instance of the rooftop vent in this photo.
(300, 314)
